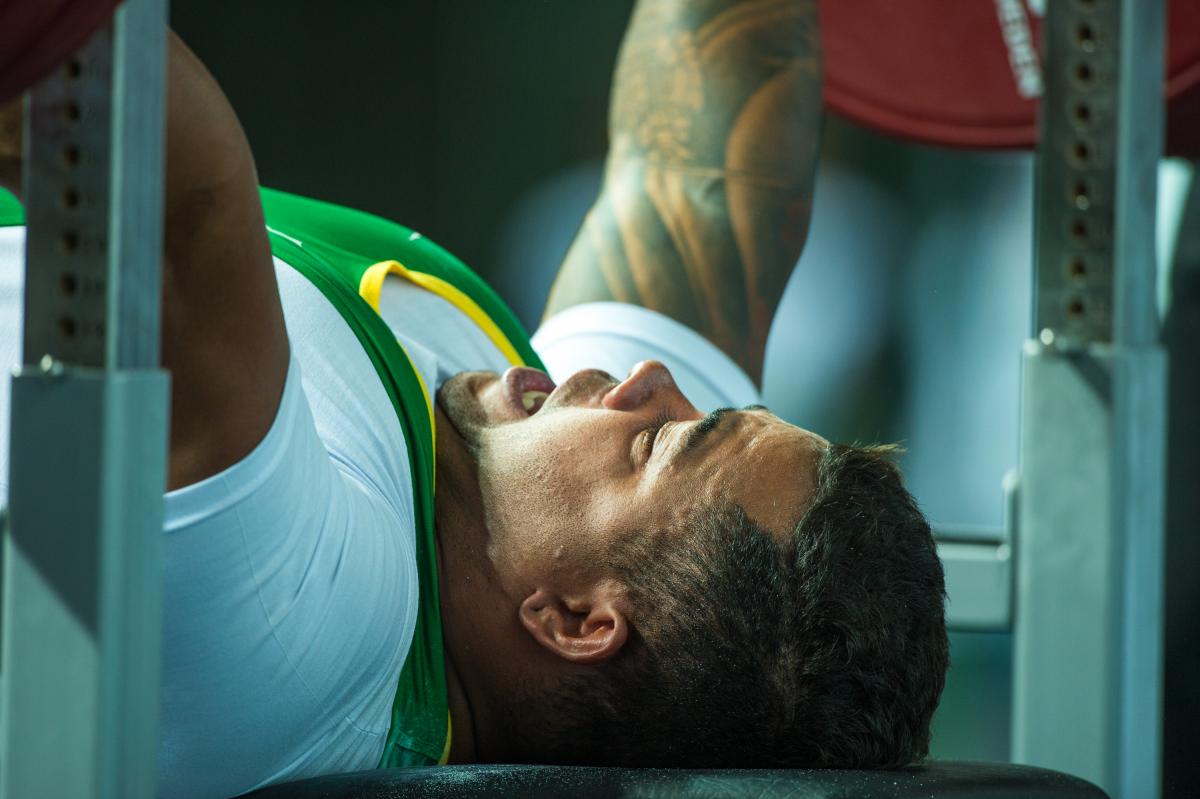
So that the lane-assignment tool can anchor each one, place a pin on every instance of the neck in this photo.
(462, 720)
(463, 748)
(474, 609)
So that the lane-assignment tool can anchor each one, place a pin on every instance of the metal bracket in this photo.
(1075, 177)
(979, 566)
(82, 563)
(1088, 624)
(94, 141)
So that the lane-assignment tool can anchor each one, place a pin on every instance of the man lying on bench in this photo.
(393, 539)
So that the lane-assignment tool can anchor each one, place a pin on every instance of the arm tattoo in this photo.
(708, 186)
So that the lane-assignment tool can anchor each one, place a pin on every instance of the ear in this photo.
(586, 628)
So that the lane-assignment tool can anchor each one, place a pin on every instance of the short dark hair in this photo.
(828, 651)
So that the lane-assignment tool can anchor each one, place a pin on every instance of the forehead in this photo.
(755, 460)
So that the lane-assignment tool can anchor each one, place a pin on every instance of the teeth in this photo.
(532, 399)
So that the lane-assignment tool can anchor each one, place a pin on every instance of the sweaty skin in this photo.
(529, 506)
(600, 448)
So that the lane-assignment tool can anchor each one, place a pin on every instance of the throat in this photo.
(463, 748)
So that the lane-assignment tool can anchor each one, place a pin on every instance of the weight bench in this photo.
(932, 780)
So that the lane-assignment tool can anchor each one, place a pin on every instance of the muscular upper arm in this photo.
(706, 199)
(224, 340)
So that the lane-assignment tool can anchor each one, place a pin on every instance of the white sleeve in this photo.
(12, 301)
(289, 606)
(614, 336)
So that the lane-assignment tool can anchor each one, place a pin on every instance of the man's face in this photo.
(565, 471)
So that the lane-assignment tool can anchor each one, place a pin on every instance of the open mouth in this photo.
(527, 389)
(473, 401)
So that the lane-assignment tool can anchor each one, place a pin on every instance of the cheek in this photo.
(522, 461)
(545, 457)
(527, 484)
(548, 490)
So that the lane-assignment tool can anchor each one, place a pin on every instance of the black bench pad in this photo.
(932, 780)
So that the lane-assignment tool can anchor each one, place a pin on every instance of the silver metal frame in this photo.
(979, 568)
(1088, 627)
(83, 566)
(979, 584)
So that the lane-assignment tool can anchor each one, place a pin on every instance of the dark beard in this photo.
(458, 402)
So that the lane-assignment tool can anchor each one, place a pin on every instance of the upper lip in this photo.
(595, 385)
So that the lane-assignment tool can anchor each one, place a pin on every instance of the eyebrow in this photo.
(709, 423)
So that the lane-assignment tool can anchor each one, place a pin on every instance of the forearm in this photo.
(714, 127)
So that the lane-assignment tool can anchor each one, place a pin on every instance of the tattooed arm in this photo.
(708, 186)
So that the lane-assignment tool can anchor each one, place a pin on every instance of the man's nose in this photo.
(648, 382)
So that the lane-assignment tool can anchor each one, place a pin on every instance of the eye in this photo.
(650, 435)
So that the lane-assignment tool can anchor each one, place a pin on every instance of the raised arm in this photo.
(708, 187)
(224, 339)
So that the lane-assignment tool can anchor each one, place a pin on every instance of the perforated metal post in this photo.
(83, 572)
(1088, 622)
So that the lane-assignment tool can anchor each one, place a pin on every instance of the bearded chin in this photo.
(465, 415)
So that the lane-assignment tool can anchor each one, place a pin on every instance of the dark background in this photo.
(433, 114)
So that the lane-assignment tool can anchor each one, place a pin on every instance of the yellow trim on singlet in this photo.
(369, 288)
(372, 284)
(445, 758)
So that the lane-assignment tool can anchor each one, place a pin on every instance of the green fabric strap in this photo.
(11, 212)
